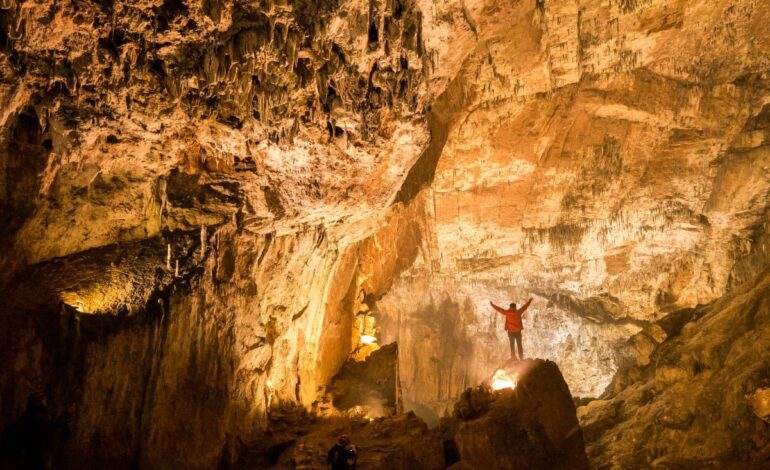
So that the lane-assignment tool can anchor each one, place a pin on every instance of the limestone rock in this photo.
(531, 426)
(371, 385)
(699, 401)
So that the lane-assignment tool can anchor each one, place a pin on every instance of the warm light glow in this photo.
(73, 300)
(270, 393)
(504, 379)
(368, 339)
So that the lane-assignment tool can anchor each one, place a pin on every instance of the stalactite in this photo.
(204, 241)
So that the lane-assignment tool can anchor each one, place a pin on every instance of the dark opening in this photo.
(398, 10)
(27, 129)
(374, 34)
(274, 453)
(451, 453)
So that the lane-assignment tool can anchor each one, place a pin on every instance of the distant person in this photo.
(513, 325)
(32, 441)
(343, 455)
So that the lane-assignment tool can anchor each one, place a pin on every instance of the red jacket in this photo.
(513, 317)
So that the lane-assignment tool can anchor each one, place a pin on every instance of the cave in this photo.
(271, 234)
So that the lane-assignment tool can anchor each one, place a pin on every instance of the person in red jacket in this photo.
(513, 325)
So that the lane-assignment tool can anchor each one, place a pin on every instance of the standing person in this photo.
(342, 455)
(513, 325)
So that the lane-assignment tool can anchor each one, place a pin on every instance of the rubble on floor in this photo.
(533, 426)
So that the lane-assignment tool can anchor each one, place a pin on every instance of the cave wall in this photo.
(608, 148)
(686, 398)
(261, 321)
(606, 158)
(278, 132)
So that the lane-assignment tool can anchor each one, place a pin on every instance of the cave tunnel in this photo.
(385, 234)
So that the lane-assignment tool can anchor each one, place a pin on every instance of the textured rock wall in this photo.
(261, 321)
(608, 148)
(122, 119)
(278, 131)
(608, 159)
(686, 401)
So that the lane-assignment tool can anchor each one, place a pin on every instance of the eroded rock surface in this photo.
(608, 159)
(699, 400)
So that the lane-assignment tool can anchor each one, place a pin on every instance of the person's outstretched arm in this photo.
(525, 306)
(499, 309)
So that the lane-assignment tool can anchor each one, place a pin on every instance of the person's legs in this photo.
(518, 343)
(511, 339)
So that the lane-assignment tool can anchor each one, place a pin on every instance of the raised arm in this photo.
(499, 309)
(525, 306)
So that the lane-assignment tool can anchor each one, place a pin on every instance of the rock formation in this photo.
(607, 158)
(208, 204)
(530, 426)
(699, 398)
(370, 386)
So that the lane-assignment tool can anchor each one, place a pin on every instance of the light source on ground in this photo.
(368, 339)
(503, 379)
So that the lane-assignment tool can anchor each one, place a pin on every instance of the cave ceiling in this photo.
(587, 148)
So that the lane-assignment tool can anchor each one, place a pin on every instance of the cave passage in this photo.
(384, 234)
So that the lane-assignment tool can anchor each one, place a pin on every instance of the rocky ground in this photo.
(532, 426)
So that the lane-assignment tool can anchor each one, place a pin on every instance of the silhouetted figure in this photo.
(343, 455)
(513, 325)
(32, 441)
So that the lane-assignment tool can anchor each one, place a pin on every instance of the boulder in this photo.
(533, 425)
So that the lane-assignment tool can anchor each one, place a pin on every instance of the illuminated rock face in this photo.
(697, 400)
(608, 159)
(531, 426)
(307, 161)
(272, 134)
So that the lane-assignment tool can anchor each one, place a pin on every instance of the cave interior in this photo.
(235, 231)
